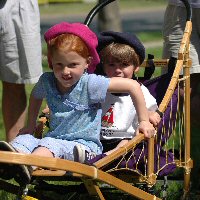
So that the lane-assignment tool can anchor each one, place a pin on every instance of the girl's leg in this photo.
(24, 143)
(21, 173)
(51, 147)
(43, 151)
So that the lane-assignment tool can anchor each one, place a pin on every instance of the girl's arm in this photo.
(33, 110)
(125, 85)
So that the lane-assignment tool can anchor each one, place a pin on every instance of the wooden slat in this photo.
(119, 152)
(89, 171)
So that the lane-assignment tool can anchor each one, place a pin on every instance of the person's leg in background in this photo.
(174, 24)
(195, 69)
(13, 108)
(195, 99)
(20, 59)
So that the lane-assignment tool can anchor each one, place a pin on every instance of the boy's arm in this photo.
(119, 85)
(154, 118)
(125, 85)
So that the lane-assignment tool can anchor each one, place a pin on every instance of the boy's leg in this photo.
(121, 144)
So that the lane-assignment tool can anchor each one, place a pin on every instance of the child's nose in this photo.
(66, 70)
(118, 68)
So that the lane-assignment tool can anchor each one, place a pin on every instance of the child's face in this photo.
(68, 67)
(117, 69)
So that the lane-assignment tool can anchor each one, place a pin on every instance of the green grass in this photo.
(7, 196)
(79, 8)
(150, 36)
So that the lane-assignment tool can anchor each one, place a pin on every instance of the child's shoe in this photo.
(6, 170)
(81, 155)
(21, 173)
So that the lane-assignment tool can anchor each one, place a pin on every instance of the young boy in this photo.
(121, 54)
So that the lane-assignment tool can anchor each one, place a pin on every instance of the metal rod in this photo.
(188, 9)
(94, 11)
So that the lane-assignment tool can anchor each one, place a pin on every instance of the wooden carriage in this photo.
(124, 168)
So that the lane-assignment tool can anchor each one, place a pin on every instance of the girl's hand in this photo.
(146, 128)
(26, 130)
(154, 118)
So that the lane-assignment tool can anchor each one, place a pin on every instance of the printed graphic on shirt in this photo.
(107, 119)
(116, 118)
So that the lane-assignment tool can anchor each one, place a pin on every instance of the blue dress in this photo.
(76, 115)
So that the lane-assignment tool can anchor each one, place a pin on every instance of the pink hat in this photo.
(81, 31)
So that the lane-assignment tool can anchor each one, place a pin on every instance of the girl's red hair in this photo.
(67, 42)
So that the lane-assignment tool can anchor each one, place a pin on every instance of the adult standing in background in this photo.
(174, 25)
(20, 59)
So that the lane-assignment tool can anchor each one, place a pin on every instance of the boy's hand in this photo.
(154, 118)
(146, 128)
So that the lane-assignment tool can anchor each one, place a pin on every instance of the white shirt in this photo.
(119, 118)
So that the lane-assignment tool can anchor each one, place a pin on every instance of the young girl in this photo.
(74, 98)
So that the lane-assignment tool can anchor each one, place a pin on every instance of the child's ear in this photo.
(89, 60)
(136, 69)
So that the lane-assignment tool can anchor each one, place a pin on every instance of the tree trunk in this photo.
(109, 18)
